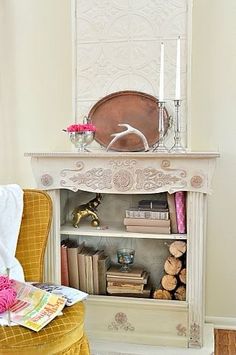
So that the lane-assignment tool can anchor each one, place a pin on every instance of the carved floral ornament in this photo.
(125, 175)
(121, 323)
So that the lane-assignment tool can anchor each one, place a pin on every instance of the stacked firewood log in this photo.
(173, 282)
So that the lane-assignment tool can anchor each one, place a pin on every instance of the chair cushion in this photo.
(58, 336)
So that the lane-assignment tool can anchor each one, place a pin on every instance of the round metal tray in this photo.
(138, 109)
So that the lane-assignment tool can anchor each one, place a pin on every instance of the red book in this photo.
(64, 266)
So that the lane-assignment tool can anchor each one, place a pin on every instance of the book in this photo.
(143, 279)
(148, 229)
(142, 294)
(89, 272)
(103, 265)
(124, 287)
(180, 205)
(172, 212)
(146, 213)
(64, 265)
(81, 265)
(98, 254)
(71, 295)
(135, 271)
(146, 222)
(34, 308)
(73, 268)
(153, 204)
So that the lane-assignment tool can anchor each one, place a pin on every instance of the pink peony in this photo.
(81, 127)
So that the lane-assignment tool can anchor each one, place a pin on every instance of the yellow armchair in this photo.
(65, 334)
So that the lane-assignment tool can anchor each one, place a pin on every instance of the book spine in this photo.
(172, 212)
(180, 211)
(146, 214)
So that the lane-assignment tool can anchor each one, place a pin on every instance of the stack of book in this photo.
(129, 284)
(164, 215)
(84, 267)
(150, 216)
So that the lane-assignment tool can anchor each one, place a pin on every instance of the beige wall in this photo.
(35, 105)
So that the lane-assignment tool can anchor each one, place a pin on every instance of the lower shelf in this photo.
(138, 321)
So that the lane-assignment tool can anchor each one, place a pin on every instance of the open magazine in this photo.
(34, 308)
(72, 295)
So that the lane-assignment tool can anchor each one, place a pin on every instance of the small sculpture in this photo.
(87, 210)
(129, 130)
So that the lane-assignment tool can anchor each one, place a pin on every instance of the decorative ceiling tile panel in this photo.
(117, 47)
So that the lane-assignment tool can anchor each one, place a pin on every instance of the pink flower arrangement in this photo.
(81, 128)
(7, 293)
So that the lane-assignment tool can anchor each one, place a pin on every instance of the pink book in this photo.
(180, 205)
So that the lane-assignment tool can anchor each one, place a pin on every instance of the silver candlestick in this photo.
(177, 147)
(160, 146)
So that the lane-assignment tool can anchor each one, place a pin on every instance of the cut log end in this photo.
(172, 265)
(180, 293)
(169, 282)
(178, 248)
(162, 294)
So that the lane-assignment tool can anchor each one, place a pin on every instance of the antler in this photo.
(129, 130)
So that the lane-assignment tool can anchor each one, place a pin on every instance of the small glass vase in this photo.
(125, 257)
(81, 139)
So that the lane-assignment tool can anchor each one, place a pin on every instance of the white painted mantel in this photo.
(155, 322)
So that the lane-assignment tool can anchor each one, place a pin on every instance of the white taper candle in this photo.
(161, 84)
(177, 83)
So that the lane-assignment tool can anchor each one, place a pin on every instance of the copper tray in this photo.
(136, 108)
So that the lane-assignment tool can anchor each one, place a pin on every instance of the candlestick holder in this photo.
(160, 146)
(177, 147)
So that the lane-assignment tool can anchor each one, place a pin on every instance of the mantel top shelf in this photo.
(124, 172)
(113, 154)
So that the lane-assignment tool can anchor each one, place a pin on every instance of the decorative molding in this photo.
(222, 322)
(194, 337)
(121, 323)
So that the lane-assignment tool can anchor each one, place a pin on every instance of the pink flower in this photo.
(81, 127)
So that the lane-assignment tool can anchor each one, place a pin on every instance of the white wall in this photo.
(214, 128)
(35, 105)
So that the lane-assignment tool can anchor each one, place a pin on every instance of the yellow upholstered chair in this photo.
(65, 334)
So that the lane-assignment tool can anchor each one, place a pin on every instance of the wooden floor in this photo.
(225, 342)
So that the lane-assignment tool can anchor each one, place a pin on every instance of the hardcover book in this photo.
(73, 267)
(146, 213)
(135, 271)
(64, 266)
(146, 222)
(103, 265)
(96, 256)
(180, 205)
(172, 212)
(134, 280)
